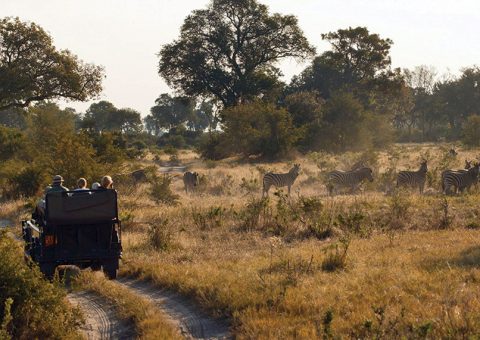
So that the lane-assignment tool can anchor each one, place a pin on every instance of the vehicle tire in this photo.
(96, 266)
(110, 269)
(48, 269)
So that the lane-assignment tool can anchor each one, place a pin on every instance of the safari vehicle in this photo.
(78, 228)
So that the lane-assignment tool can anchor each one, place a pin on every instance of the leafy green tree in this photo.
(358, 60)
(471, 133)
(32, 69)
(12, 142)
(228, 51)
(14, 118)
(104, 116)
(258, 128)
(57, 148)
(345, 124)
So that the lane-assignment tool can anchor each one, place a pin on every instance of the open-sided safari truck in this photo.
(77, 228)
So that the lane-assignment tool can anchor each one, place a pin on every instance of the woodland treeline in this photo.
(228, 94)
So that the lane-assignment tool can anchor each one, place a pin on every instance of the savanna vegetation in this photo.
(381, 263)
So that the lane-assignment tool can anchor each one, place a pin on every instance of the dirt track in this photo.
(193, 323)
(101, 321)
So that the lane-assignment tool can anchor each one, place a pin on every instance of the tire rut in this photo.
(191, 321)
(101, 320)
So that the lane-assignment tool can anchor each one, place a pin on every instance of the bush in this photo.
(471, 132)
(259, 129)
(160, 235)
(161, 192)
(336, 259)
(212, 146)
(28, 182)
(37, 310)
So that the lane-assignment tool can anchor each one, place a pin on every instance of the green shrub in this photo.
(29, 182)
(161, 192)
(160, 235)
(336, 258)
(259, 129)
(209, 219)
(471, 132)
(38, 309)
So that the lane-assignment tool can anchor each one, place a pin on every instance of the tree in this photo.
(471, 133)
(32, 69)
(229, 50)
(258, 129)
(345, 123)
(104, 116)
(358, 60)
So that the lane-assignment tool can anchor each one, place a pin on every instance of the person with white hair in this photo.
(106, 183)
(95, 186)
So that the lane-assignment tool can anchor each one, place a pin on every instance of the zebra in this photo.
(352, 178)
(468, 165)
(460, 180)
(190, 180)
(415, 179)
(280, 180)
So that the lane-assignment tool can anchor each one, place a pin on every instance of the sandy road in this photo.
(188, 318)
(101, 320)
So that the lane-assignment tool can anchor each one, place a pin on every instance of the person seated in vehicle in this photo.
(95, 186)
(106, 183)
(81, 185)
(57, 185)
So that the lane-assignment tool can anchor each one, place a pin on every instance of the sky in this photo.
(125, 36)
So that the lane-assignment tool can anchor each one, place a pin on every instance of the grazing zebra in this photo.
(351, 179)
(460, 180)
(190, 180)
(280, 180)
(415, 179)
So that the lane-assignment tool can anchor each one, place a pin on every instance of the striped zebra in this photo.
(460, 180)
(351, 179)
(280, 180)
(468, 165)
(414, 179)
(190, 180)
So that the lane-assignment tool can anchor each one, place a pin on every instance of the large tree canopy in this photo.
(228, 51)
(32, 69)
(357, 59)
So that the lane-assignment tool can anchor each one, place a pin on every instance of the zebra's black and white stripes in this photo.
(414, 179)
(460, 180)
(350, 179)
(280, 180)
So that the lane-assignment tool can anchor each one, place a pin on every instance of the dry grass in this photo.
(411, 267)
(148, 320)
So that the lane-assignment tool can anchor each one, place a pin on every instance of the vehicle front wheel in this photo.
(48, 269)
(110, 269)
(96, 267)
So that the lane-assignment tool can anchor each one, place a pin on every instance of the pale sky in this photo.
(125, 35)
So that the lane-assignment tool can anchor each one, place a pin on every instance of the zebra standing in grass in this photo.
(468, 165)
(414, 179)
(280, 180)
(460, 180)
(350, 179)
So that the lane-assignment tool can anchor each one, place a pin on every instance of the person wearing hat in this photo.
(57, 185)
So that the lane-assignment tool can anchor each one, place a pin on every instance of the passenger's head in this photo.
(82, 183)
(57, 180)
(95, 186)
(107, 182)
